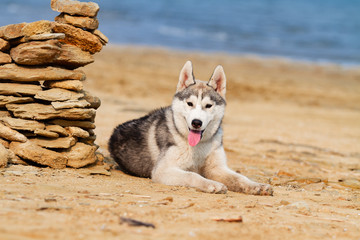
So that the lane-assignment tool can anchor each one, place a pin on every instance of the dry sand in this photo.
(294, 125)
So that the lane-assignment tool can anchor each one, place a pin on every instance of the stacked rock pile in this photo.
(45, 115)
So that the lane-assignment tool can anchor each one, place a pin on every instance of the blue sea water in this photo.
(313, 30)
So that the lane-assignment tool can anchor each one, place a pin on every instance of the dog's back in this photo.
(134, 144)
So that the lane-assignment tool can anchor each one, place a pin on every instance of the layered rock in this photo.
(45, 115)
(12, 31)
(74, 85)
(4, 45)
(87, 23)
(29, 74)
(18, 89)
(78, 37)
(11, 135)
(5, 58)
(40, 111)
(33, 152)
(4, 156)
(49, 52)
(36, 52)
(89, 9)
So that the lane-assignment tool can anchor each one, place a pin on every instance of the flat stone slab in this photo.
(48, 52)
(74, 85)
(38, 27)
(39, 111)
(78, 132)
(36, 52)
(4, 45)
(46, 133)
(73, 57)
(37, 37)
(4, 113)
(94, 101)
(85, 40)
(89, 9)
(58, 94)
(4, 156)
(81, 155)
(45, 36)
(90, 140)
(64, 142)
(80, 124)
(70, 104)
(5, 58)
(26, 74)
(10, 134)
(11, 99)
(104, 39)
(57, 129)
(12, 31)
(18, 88)
(31, 151)
(87, 23)
(22, 124)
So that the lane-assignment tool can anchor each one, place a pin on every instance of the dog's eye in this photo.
(190, 104)
(208, 105)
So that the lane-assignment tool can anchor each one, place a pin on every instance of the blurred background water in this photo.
(311, 30)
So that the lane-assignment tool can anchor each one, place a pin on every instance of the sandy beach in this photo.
(294, 125)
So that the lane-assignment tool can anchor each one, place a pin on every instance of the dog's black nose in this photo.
(196, 123)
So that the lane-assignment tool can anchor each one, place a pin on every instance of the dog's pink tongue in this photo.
(194, 137)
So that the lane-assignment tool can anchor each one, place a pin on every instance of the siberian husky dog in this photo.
(182, 144)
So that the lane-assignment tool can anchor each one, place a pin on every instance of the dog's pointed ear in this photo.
(186, 77)
(218, 81)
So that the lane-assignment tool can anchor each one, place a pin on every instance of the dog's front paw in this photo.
(263, 190)
(214, 187)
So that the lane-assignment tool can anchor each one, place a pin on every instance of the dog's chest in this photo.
(193, 158)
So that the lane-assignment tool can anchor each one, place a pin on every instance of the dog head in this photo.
(198, 105)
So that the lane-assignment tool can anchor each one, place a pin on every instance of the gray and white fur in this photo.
(182, 144)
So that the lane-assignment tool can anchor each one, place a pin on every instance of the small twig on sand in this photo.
(187, 206)
(135, 223)
(231, 219)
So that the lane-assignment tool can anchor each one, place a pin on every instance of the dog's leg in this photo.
(179, 177)
(167, 172)
(217, 170)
